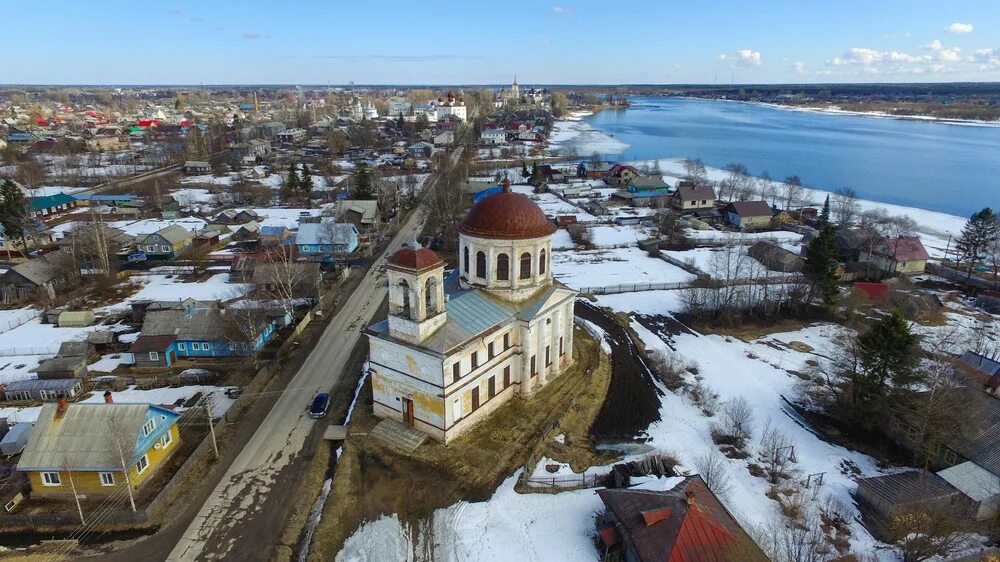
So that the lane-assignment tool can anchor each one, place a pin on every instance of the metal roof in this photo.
(973, 480)
(45, 268)
(41, 384)
(81, 438)
(904, 488)
(326, 233)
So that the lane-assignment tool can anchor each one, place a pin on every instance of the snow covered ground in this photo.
(611, 236)
(604, 268)
(170, 288)
(22, 348)
(288, 218)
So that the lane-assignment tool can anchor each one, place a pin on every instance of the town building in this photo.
(166, 243)
(749, 215)
(450, 107)
(453, 350)
(324, 240)
(691, 197)
(100, 447)
(684, 523)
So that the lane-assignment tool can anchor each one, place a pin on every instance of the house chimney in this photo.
(61, 408)
(690, 498)
(107, 397)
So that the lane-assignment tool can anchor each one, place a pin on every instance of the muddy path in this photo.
(633, 398)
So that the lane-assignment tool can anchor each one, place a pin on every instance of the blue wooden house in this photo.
(196, 329)
(323, 240)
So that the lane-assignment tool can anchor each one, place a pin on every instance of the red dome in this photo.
(508, 216)
(415, 257)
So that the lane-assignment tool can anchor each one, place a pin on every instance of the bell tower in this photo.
(416, 293)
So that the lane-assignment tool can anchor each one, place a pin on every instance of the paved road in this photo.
(221, 528)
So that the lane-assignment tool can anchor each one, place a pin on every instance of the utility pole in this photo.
(211, 426)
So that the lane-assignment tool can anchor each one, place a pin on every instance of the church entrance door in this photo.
(408, 412)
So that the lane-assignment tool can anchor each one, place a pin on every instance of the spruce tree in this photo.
(13, 211)
(978, 235)
(825, 213)
(821, 263)
(292, 185)
(888, 354)
(362, 184)
(307, 183)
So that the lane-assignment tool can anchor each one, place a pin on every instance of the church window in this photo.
(490, 351)
(475, 359)
(456, 371)
(548, 359)
(506, 341)
(541, 263)
(503, 267)
(466, 257)
(481, 265)
(525, 265)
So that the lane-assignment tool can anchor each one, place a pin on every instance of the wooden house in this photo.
(101, 447)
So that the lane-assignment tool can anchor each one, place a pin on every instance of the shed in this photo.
(76, 349)
(62, 368)
(979, 484)
(776, 258)
(892, 494)
(15, 440)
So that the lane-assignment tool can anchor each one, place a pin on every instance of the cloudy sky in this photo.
(480, 42)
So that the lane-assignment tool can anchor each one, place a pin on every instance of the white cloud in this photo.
(960, 28)
(748, 57)
(722, 57)
(934, 45)
(989, 59)
(800, 67)
(561, 10)
(950, 55)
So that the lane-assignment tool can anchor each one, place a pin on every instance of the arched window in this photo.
(404, 289)
(466, 256)
(526, 266)
(430, 295)
(503, 267)
(541, 262)
(481, 264)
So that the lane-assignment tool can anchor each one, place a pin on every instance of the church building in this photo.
(455, 348)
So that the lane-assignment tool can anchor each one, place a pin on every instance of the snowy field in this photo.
(160, 287)
(610, 236)
(288, 218)
(23, 347)
(158, 396)
(604, 268)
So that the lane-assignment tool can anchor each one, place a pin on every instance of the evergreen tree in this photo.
(824, 216)
(978, 235)
(362, 184)
(524, 169)
(307, 183)
(292, 185)
(536, 174)
(13, 211)
(888, 354)
(821, 264)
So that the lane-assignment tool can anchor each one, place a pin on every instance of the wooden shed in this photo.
(76, 318)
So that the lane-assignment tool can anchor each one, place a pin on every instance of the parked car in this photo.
(320, 404)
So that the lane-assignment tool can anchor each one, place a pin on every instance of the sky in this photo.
(478, 42)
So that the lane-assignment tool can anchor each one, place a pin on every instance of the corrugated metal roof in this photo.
(908, 487)
(475, 312)
(81, 438)
(973, 480)
(41, 384)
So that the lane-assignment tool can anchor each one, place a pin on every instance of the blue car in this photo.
(320, 404)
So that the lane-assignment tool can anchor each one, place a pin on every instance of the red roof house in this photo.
(684, 524)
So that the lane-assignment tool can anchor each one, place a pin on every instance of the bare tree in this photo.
(68, 469)
(775, 453)
(284, 280)
(694, 170)
(120, 447)
(844, 206)
(737, 418)
(799, 541)
(712, 467)
(792, 193)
